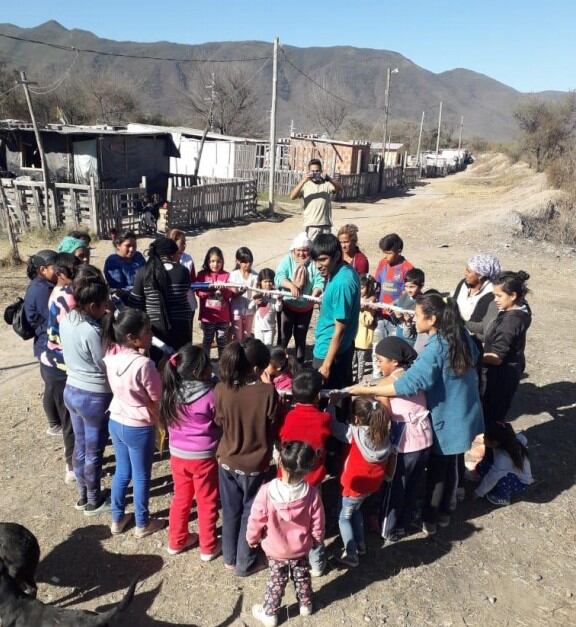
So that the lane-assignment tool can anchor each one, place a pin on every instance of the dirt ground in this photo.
(492, 566)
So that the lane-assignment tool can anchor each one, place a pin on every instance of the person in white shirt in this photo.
(265, 308)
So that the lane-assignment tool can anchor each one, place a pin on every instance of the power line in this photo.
(124, 55)
(5, 93)
(331, 93)
(42, 91)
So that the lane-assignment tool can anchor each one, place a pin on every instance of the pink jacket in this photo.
(214, 308)
(136, 386)
(286, 530)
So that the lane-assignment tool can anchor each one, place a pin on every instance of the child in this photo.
(188, 411)
(306, 423)
(365, 335)
(266, 308)
(60, 304)
(410, 435)
(87, 392)
(246, 411)
(120, 268)
(280, 370)
(136, 387)
(287, 518)
(413, 285)
(215, 301)
(390, 274)
(509, 473)
(242, 313)
(364, 470)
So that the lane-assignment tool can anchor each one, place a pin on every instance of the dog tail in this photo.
(101, 620)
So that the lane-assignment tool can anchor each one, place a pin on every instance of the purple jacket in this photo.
(195, 436)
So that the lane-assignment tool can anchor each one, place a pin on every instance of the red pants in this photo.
(194, 478)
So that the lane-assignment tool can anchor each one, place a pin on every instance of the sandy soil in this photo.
(507, 566)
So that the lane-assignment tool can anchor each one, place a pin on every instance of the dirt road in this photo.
(507, 566)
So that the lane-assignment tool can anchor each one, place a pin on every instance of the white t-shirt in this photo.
(317, 203)
(241, 302)
(467, 302)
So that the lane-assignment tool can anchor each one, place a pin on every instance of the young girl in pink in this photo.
(242, 313)
(214, 301)
(410, 435)
(187, 410)
(287, 520)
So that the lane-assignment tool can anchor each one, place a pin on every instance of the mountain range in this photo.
(357, 75)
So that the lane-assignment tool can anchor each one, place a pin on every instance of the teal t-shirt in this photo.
(340, 301)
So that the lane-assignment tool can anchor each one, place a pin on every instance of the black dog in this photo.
(17, 609)
(20, 552)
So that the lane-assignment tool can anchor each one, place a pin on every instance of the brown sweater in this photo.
(247, 417)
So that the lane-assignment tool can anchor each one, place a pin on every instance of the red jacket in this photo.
(360, 476)
(307, 423)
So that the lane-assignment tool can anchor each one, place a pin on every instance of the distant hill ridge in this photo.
(360, 74)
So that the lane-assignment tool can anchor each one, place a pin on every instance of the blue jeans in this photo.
(134, 451)
(237, 493)
(351, 523)
(89, 415)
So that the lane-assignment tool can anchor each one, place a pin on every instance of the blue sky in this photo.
(528, 44)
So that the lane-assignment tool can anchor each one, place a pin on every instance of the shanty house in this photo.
(394, 153)
(337, 156)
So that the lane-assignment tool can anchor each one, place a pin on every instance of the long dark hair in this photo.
(373, 415)
(450, 325)
(116, 329)
(188, 364)
(89, 286)
(243, 255)
(502, 434)
(513, 283)
(155, 274)
(235, 367)
(213, 250)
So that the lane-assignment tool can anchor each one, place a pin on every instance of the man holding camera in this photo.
(316, 190)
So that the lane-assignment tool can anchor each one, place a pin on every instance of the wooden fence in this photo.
(361, 185)
(284, 180)
(217, 203)
(118, 209)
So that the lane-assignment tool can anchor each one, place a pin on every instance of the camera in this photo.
(317, 177)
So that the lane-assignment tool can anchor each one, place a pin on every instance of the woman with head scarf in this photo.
(161, 290)
(75, 246)
(474, 293)
(297, 274)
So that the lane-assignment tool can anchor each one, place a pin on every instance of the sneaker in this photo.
(55, 430)
(316, 573)
(395, 536)
(262, 617)
(118, 527)
(349, 560)
(191, 542)
(443, 520)
(69, 476)
(497, 500)
(208, 557)
(81, 504)
(93, 509)
(305, 610)
(429, 529)
(154, 525)
(361, 549)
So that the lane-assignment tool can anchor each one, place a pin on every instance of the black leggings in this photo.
(296, 323)
(441, 484)
(55, 409)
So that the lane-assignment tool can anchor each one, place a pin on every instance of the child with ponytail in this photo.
(242, 313)
(364, 470)
(446, 372)
(246, 411)
(136, 387)
(187, 410)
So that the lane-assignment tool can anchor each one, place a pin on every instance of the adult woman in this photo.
(504, 344)
(121, 267)
(446, 372)
(161, 290)
(297, 274)
(351, 254)
(474, 293)
(185, 260)
(75, 246)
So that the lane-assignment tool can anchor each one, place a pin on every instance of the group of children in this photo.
(262, 415)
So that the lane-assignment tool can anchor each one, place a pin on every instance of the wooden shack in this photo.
(337, 156)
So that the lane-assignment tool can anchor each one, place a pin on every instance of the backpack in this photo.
(15, 315)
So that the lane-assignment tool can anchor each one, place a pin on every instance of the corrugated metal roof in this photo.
(71, 129)
(193, 132)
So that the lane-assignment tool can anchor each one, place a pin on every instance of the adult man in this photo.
(316, 189)
(339, 312)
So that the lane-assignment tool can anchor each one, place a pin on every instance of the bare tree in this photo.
(225, 96)
(328, 112)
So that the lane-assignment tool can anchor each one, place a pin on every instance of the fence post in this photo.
(94, 222)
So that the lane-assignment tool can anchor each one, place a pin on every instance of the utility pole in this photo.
(386, 107)
(438, 136)
(272, 151)
(419, 140)
(43, 165)
(460, 135)
(209, 126)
